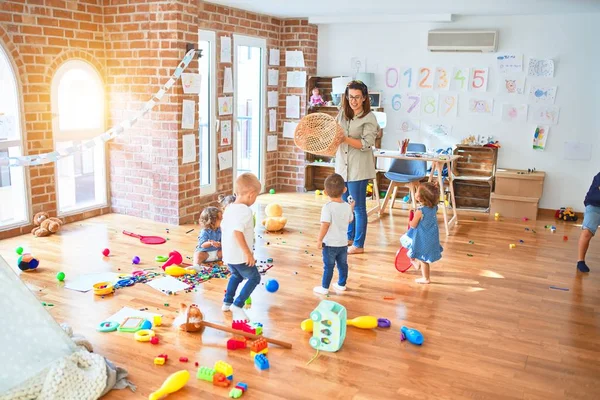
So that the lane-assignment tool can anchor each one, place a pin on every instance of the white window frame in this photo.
(211, 187)
(5, 144)
(243, 40)
(87, 134)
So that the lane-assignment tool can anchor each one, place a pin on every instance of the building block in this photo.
(253, 354)
(220, 380)
(230, 378)
(242, 385)
(258, 345)
(224, 368)
(205, 373)
(241, 325)
(159, 361)
(236, 342)
(183, 359)
(235, 393)
(261, 362)
(166, 357)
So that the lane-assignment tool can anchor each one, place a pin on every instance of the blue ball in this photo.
(272, 286)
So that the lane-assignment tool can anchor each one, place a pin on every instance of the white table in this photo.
(438, 162)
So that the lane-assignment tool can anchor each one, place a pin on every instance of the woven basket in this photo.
(319, 134)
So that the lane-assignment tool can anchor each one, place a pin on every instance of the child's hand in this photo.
(319, 244)
(250, 261)
(215, 243)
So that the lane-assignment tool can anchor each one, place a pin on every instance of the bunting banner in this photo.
(39, 159)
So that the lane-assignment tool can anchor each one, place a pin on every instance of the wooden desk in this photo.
(437, 165)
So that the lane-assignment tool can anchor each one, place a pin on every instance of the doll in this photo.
(316, 99)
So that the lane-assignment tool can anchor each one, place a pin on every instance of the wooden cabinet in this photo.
(474, 175)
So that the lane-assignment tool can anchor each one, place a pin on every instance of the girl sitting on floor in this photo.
(209, 239)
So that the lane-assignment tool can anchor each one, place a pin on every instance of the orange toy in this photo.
(220, 380)
(258, 345)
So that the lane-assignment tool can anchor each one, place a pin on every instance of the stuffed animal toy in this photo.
(274, 221)
(45, 225)
(189, 318)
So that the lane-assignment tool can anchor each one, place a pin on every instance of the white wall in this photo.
(573, 41)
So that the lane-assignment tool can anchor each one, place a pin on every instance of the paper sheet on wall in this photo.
(274, 56)
(189, 148)
(429, 104)
(273, 77)
(481, 106)
(540, 135)
(272, 98)
(292, 107)
(514, 112)
(545, 114)
(542, 94)
(540, 68)
(225, 49)
(225, 160)
(188, 115)
(338, 85)
(448, 105)
(289, 128)
(436, 129)
(408, 126)
(509, 63)
(442, 79)
(167, 284)
(479, 79)
(577, 151)
(225, 105)
(512, 84)
(296, 79)
(460, 79)
(226, 133)
(272, 120)
(228, 81)
(410, 105)
(191, 83)
(294, 59)
(272, 143)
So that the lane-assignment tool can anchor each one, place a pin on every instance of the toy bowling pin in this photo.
(412, 335)
(172, 384)
(364, 322)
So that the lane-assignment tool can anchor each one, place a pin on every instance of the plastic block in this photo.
(258, 329)
(230, 378)
(237, 342)
(241, 325)
(183, 359)
(220, 380)
(235, 393)
(205, 373)
(242, 385)
(159, 361)
(224, 368)
(261, 362)
(258, 345)
(253, 354)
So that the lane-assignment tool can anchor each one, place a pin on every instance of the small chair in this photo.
(406, 172)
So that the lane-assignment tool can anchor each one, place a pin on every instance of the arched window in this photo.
(13, 197)
(78, 115)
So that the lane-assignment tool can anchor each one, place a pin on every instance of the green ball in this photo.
(19, 250)
(272, 191)
(60, 276)
(248, 301)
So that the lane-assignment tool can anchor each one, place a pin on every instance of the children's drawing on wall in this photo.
(540, 68)
(408, 126)
(228, 81)
(225, 133)
(225, 160)
(542, 94)
(460, 79)
(225, 49)
(273, 77)
(448, 105)
(409, 104)
(514, 112)
(188, 114)
(512, 84)
(437, 129)
(545, 115)
(508, 63)
(540, 135)
(225, 105)
(479, 106)
(191, 83)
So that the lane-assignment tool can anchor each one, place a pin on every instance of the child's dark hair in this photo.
(429, 194)
(334, 185)
(209, 217)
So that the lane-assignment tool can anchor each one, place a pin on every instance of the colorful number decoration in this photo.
(479, 80)
(425, 78)
(406, 81)
(460, 80)
(391, 77)
(411, 104)
(442, 81)
(429, 104)
(397, 102)
(448, 105)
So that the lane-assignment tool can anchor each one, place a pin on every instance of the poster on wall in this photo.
(272, 120)
(226, 133)
(479, 80)
(225, 49)
(272, 143)
(442, 80)
(429, 104)
(272, 98)
(225, 105)
(294, 59)
(189, 148)
(191, 83)
(540, 135)
(228, 81)
(274, 56)
(542, 94)
(188, 115)
(296, 79)
(480, 106)
(225, 160)
(540, 68)
(448, 105)
(509, 63)
(514, 112)
(289, 128)
(460, 79)
(512, 84)
(273, 77)
(408, 126)
(545, 115)
(292, 107)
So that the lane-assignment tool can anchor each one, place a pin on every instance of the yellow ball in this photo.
(317, 192)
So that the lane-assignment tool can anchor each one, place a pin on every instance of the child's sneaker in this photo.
(196, 268)
(226, 307)
(320, 290)
(239, 313)
(339, 288)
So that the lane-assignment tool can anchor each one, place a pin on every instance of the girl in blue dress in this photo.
(423, 238)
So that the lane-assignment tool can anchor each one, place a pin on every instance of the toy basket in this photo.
(319, 134)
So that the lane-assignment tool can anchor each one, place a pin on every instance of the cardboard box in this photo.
(514, 206)
(509, 182)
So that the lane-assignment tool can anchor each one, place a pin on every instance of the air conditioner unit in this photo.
(462, 41)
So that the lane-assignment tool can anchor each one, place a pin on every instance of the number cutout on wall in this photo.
(429, 103)
(397, 102)
(448, 105)
(425, 78)
(406, 80)
(479, 80)
(442, 80)
(411, 104)
(391, 77)
(460, 79)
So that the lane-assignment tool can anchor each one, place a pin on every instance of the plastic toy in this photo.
(205, 373)
(383, 323)
(272, 286)
(272, 191)
(242, 386)
(179, 271)
(27, 262)
(224, 368)
(497, 216)
(274, 220)
(19, 250)
(329, 326)
(157, 320)
(566, 214)
(175, 258)
(159, 361)
(105, 252)
(183, 359)
(253, 354)
(45, 225)
(107, 326)
(364, 322)
(161, 259)
(258, 345)
(144, 335)
(512, 246)
(103, 288)
(146, 324)
(248, 302)
(261, 362)
(236, 342)
(412, 335)
(131, 324)
(135, 260)
(154, 340)
(236, 393)
(172, 384)
(402, 261)
(60, 276)
(146, 239)
(220, 380)
(317, 192)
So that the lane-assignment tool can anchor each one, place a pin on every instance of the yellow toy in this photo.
(364, 322)
(224, 368)
(172, 384)
(274, 221)
(179, 271)
(144, 335)
(103, 288)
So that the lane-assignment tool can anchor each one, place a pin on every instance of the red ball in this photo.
(154, 340)
(105, 252)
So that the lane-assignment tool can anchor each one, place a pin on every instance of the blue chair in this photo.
(406, 173)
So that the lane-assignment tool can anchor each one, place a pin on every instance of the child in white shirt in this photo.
(237, 231)
(335, 217)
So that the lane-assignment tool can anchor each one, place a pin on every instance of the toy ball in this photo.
(19, 250)
(60, 276)
(27, 262)
(272, 286)
(317, 192)
(105, 252)
(272, 191)
(135, 260)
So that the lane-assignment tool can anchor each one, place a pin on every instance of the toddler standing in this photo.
(238, 240)
(423, 238)
(335, 217)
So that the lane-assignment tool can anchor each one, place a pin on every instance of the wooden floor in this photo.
(493, 328)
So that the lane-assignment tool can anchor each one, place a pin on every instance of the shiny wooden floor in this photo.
(493, 328)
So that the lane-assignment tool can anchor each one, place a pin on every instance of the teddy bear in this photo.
(189, 318)
(45, 225)
(274, 221)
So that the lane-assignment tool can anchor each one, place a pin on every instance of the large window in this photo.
(207, 134)
(78, 115)
(13, 198)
